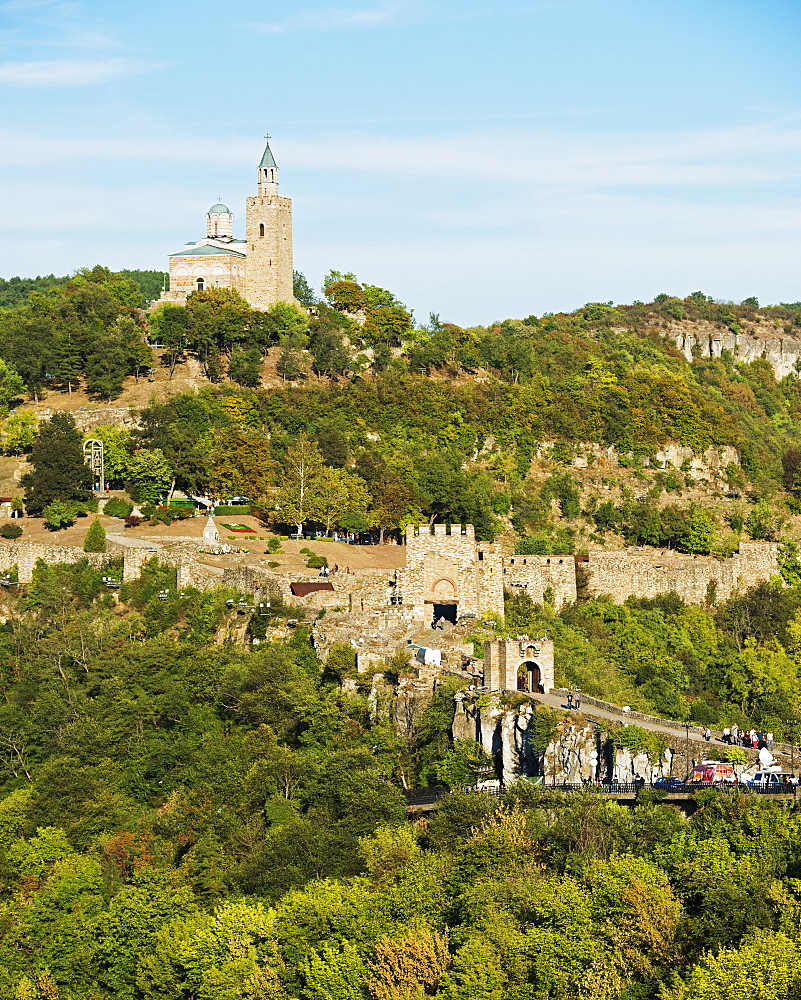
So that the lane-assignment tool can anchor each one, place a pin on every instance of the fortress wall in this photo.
(641, 574)
(535, 574)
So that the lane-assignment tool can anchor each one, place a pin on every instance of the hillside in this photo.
(558, 432)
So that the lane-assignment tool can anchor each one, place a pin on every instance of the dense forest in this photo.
(431, 422)
(187, 815)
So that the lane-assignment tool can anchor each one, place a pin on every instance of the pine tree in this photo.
(95, 540)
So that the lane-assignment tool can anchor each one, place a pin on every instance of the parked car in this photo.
(668, 781)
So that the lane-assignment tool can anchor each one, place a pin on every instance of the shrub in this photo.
(117, 507)
(232, 508)
(274, 544)
(10, 531)
(59, 514)
(133, 521)
(316, 562)
(95, 540)
(272, 564)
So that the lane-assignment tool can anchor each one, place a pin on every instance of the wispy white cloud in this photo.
(535, 158)
(389, 13)
(70, 72)
(373, 15)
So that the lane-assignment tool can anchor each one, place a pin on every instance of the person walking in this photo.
(735, 734)
(578, 698)
(707, 734)
(769, 739)
(570, 699)
(727, 735)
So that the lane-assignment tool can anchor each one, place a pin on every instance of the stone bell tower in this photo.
(268, 274)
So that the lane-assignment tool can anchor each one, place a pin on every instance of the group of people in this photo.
(747, 738)
(574, 698)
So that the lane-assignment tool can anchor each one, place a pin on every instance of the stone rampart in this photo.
(536, 574)
(645, 573)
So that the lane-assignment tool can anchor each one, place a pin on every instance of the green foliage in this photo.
(117, 507)
(58, 470)
(95, 540)
(10, 531)
(639, 740)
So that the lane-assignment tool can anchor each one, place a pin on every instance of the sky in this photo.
(480, 160)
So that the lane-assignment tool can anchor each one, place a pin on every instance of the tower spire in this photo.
(268, 171)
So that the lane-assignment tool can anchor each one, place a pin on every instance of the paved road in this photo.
(559, 701)
(133, 543)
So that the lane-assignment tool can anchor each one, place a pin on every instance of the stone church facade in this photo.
(258, 267)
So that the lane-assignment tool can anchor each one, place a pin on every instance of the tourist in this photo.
(735, 734)
(569, 699)
(727, 735)
(707, 734)
(753, 737)
(769, 739)
(578, 698)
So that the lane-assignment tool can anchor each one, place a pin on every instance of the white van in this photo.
(772, 779)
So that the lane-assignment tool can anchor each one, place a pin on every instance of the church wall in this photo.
(217, 271)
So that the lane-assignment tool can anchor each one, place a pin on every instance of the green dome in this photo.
(219, 209)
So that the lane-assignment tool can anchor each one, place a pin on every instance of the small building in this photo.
(521, 664)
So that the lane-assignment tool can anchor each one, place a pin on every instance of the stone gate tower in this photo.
(268, 234)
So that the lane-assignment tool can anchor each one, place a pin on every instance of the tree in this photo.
(59, 471)
(168, 323)
(149, 475)
(240, 463)
(11, 385)
(299, 496)
(245, 366)
(95, 540)
(341, 494)
(19, 432)
(215, 318)
(406, 966)
(117, 447)
(302, 290)
(59, 514)
(764, 967)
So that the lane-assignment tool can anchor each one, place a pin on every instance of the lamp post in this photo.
(686, 750)
(792, 723)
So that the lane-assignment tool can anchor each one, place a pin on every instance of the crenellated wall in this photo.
(445, 565)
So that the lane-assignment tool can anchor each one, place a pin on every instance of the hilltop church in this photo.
(258, 267)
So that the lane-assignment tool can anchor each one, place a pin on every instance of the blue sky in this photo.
(480, 160)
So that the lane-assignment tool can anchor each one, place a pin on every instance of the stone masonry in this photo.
(446, 566)
(521, 664)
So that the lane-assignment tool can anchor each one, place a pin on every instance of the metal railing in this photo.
(430, 796)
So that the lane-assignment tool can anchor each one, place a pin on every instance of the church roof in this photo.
(267, 160)
(219, 209)
(208, 250)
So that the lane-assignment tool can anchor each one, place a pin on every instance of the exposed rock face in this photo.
(755, 340)
(577, 752)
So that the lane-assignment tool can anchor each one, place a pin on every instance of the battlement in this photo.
(447, 530)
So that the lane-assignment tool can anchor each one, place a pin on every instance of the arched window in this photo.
(261, 229)
(200, 284)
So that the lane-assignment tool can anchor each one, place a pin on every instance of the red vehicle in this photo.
(714, 772)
